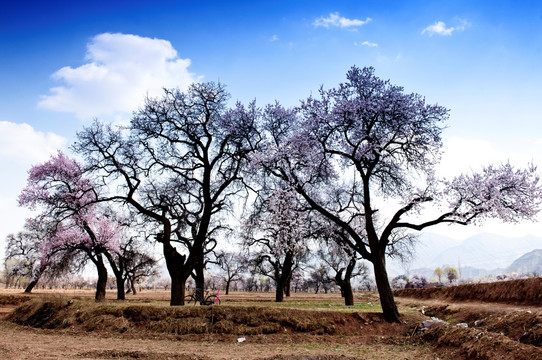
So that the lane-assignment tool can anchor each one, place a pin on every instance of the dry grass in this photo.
(158, 318)
(321, 328)
(305, 326)
(472, 343)
(519, 292)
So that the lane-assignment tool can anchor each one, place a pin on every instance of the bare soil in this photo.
(500, 320)
(517, 292)
(69, 325)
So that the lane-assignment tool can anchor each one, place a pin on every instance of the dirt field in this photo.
(69, 325)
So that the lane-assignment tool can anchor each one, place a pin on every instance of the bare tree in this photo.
(320, 277)
(233, 265)
(179, 165)
(345, 263)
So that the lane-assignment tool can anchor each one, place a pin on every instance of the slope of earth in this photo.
(518, 292)
(62, 328)
(481, 330)
(48, 325)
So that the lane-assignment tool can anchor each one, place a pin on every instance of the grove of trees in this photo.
(351, 169)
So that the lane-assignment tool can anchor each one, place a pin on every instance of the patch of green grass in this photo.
(312, 305)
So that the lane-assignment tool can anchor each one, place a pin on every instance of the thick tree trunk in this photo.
(389, 308)
(279, 293)
(348, 293)
(339, 281)
(178, 272)
(102, 279)
(287, 286)
(31, 285)
(178, 288)
(200, 281)
(346, 288)
(120, 287)
(37, 276)
(282, 279)
(118, 270)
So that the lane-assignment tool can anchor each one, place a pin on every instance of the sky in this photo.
(64, 63)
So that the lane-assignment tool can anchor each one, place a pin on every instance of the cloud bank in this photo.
(21, 144)
(121, 70)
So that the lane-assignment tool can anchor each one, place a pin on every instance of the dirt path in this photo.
(18, 342)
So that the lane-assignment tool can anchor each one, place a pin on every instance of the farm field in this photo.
(70, 325)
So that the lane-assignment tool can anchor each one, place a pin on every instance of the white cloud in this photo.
(21, 144)
(366, 43)
(439, 28)
(463, 155)
(274, 38)
(12, 218)
(334, 20)
(121, 70)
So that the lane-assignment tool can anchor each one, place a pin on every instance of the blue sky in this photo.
(63, 63)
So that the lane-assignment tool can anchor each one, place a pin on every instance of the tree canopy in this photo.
(360, 158)
(366, 144)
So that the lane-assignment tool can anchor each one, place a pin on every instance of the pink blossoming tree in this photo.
(67, 199)
(32, 261)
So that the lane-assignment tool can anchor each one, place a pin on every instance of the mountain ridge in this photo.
(482, 254)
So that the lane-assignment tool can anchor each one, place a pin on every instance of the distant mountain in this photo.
(478, 255)
(487, 251)
(528, 263)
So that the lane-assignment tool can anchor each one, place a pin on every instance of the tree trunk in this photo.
(178, 273)
(339, 281)
(279, 293)
(228, 286)
(132, 286)
(178, 287)
(101, 284)
(287, 286)
(31, 285)
(118, 271)
(389, 308)
(283, 279)
(348, 293)
(346, 287)
(120, 287)
(200, 281)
